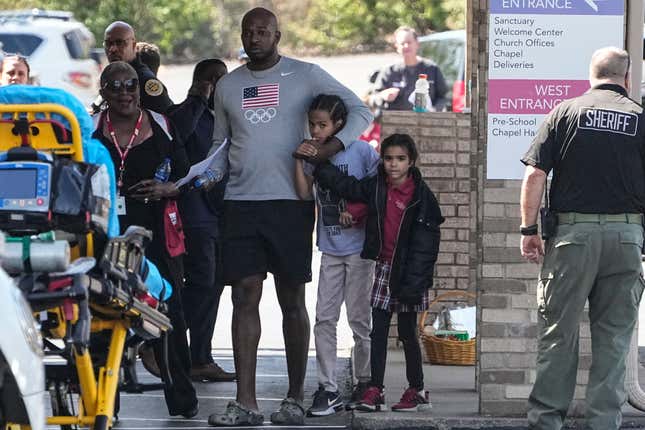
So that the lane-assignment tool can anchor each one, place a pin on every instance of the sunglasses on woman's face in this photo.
(130, 85)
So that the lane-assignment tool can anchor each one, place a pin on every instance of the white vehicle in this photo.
(22, 373)
(57, 48)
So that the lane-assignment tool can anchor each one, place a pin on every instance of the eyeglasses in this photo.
(115, 86)
(119, 43)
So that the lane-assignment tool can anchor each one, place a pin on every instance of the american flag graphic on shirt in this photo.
(261, 96)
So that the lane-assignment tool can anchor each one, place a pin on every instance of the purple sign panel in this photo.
(558, 7)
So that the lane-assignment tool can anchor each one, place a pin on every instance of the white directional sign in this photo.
(539, 52)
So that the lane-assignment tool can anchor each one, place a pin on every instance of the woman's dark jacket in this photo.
(417, 247)
(141, 163)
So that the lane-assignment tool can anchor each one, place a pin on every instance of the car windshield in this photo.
(445, 52)
(23, 44)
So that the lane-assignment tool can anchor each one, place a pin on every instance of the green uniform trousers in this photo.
(601, 262)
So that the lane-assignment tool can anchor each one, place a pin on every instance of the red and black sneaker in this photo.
(412, 401)
(373, 400)
(357, 395)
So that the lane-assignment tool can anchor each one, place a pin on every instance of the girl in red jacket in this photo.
(402, 235)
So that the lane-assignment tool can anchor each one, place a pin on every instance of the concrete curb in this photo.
(383, 421)
(442, 384)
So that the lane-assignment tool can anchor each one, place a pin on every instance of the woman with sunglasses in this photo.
(139, 141)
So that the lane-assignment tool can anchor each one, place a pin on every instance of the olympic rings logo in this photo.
(260, 115)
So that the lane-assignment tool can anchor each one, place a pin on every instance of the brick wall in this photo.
(508, 319)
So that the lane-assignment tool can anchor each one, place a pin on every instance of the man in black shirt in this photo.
(119, 44)
(200, 215)
(594, 144)
(395, 84)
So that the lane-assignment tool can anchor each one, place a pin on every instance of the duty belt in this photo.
(575, 217)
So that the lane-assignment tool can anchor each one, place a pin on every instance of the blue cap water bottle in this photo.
(162, 174)
(207, 179)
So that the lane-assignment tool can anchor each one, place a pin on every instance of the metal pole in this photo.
(634, 44)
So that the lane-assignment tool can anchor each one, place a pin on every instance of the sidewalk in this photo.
(147, 411)
(452, 392)
(455, 402)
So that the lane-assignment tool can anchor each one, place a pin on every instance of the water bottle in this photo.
(207, 179)
(421, 88)
(162, 174)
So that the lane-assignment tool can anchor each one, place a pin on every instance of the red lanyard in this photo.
(123, 154)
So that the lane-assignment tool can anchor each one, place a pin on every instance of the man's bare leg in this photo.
(246, 295)
(295, 328)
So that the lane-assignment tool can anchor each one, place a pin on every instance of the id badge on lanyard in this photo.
(120, 200)
(120, 205)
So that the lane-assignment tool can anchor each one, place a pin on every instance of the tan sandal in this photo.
(290, 413)
(236, 415)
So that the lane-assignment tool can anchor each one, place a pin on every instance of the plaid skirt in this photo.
(382, 298)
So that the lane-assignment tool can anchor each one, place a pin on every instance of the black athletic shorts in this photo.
(267, 236)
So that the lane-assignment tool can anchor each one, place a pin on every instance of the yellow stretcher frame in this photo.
(43, 140)
(97, 392)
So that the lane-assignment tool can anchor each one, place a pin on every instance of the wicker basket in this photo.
(446, 351)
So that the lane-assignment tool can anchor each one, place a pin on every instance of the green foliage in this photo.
(230, 14)
(191, 29)
(359, 25)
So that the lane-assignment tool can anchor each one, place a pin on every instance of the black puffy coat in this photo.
(417, 247)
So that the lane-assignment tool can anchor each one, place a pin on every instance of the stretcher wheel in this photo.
(100, 423)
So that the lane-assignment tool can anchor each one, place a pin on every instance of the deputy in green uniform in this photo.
(595, 146)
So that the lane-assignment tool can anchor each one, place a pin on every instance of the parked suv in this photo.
(57, 48)
(448, 50)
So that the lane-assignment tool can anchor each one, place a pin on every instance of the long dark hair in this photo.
(404, 141)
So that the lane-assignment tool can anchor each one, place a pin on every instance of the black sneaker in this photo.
(357, 395)
(325, 403)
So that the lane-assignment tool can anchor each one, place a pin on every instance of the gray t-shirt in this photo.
(264, 115)
(359, 160)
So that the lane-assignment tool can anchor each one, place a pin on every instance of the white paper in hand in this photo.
(199, 168)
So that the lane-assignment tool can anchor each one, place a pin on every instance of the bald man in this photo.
(594, 238)
(120, 45)
(261, 109)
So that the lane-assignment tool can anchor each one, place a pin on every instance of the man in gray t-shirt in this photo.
(261, 109)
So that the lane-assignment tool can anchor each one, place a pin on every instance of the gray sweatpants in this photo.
(601, 263)
(348, 279)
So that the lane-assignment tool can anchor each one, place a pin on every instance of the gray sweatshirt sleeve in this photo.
(221, 133)
(359, 115)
